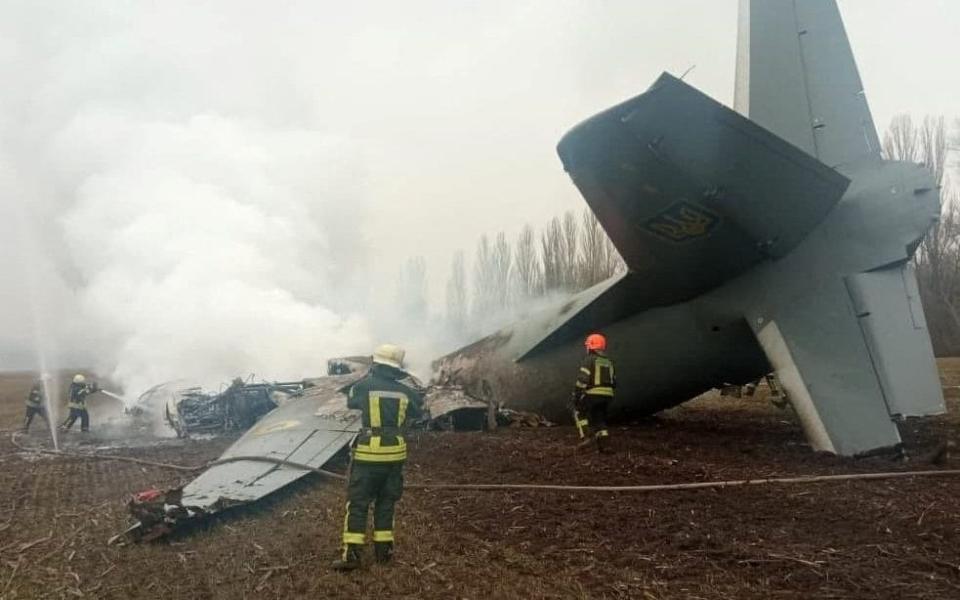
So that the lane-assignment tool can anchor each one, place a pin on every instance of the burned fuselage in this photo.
(192, 411)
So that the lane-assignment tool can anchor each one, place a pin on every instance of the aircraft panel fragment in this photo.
(309, 430)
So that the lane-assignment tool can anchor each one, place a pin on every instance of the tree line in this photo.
(570, 253)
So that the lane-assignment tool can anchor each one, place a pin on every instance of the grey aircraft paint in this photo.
(777, 238)
(309, 429)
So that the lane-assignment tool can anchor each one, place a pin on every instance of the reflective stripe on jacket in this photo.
(386, 405)
(596, 376)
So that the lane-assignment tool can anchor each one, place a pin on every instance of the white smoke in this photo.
(185, 217)
(204, 247)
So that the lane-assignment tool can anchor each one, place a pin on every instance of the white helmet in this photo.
(78, 378)
(390, 355)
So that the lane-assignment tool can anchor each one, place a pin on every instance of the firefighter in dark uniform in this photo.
(593, 391)
(77, 403)
(35, 403)
(379, 452)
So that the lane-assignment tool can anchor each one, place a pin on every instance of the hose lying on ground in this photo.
(519, 486)
(139, 461)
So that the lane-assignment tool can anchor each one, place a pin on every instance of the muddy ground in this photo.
(880, 539)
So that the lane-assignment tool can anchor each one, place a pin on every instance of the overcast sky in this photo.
(407, 128)
(495, 91)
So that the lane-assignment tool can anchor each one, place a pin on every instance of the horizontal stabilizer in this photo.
(590, 310)
(692, 193)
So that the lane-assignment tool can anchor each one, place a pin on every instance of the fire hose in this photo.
(699, 485)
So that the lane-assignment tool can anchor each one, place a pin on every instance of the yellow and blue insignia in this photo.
(682, 222)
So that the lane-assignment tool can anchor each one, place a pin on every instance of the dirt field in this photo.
(882, 539)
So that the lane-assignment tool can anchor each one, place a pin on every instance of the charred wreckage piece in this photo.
(308, 429)
(300, 434)
(193, 411)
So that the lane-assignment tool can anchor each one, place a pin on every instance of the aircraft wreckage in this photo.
(306, 427)
(773, 237)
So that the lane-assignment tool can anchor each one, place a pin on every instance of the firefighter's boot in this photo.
(383, 551)
(603, 442)
(349, 560)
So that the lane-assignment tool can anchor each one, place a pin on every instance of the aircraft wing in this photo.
(308, 430)
(796, 76)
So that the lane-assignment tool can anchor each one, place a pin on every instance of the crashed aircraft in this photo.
(770, 238)
(773, 237)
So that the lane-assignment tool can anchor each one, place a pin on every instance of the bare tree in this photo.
(599, 259)
(571, 250)
(552, 255)
(412, 290)
(901, 141)
(484, 286)
(501, 266)
(457, 295)
(527, 274)
(614, 262)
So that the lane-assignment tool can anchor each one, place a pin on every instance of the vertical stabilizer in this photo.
(796, 76)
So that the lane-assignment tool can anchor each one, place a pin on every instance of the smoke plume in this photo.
(178, 211)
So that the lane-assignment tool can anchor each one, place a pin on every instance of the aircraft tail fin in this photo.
(796, 76)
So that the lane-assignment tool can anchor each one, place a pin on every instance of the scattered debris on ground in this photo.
(857, 539)
(450, 408)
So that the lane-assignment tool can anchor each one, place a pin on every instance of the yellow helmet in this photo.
(78, 378)
(390, 355)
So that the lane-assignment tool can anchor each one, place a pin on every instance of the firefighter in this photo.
(36, 400)
(593, 391)
(379, 452)
(79, 390)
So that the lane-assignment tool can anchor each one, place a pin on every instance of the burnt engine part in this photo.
(235, 409)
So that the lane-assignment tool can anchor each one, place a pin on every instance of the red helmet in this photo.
(595, 342)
